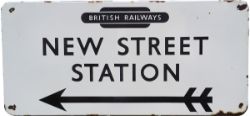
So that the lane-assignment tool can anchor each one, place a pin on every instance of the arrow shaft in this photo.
(134, 100)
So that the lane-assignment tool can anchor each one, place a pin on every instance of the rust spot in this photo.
(12, 107)
(157, 1)
(222, 113)
(92, 115)
(242, 6)
(241, 105)
(11, 9)
(228, 1)
(95, 1)
(47, 1)
(99, 1)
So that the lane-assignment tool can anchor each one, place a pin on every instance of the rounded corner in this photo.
(6, 4)
(8, 112)
(245, 111)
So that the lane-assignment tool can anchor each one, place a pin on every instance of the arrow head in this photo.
(206, 92)
(54, 99)
(190, 92)
(188, 96)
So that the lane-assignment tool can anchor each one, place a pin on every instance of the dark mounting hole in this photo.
(242, 6)
(12, 107)
(240, 105)
(11, 10)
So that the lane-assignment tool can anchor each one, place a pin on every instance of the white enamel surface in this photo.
(30, 76)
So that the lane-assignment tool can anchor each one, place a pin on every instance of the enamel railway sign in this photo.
(134, 58)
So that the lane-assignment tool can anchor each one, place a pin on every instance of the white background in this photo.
(2, 111)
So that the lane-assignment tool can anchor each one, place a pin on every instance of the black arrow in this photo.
(56, 99)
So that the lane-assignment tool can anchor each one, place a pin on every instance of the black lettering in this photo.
(86, 46)
(168, 45)
(53, 49)
(67, 46)
(108, 74)
(143, 72)
(138, 39)
(91, 72)
(121, 66)
(183, 45)
(134, 72)
(126, 49)
(200, 43)
(74, 69)
(154, 45)
(174, 75)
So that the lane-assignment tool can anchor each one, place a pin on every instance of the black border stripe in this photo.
(124, 25)
(124, 9)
